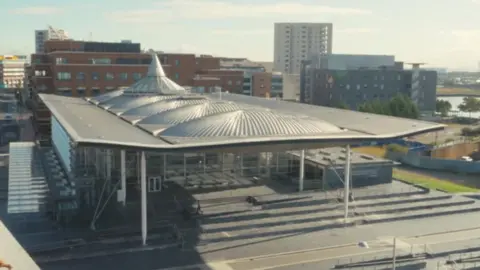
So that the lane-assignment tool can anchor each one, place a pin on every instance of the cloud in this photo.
(466, 33)
(36, 11)
(357, 30)
(213, 10)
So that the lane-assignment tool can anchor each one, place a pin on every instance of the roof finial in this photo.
(155, 69)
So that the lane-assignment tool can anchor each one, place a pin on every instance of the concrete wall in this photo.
(362, 175)
(419, 161)
(456, 151)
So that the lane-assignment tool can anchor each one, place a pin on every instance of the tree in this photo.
(342, 105)
(469, 104)
(399, 106)
(443, 107)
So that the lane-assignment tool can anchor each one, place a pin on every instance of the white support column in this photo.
(108, 165)
(268, 162)
(143, 185)
(346, 181)
(302, 170)
(123, 176)
(108, 169)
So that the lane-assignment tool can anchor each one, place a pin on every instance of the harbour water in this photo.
(455, 101)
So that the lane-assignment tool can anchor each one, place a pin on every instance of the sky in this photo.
(441, 33)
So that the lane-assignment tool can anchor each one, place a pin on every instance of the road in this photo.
(451, 132)
(328, 256)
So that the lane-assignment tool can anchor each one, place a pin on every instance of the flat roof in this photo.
(11, 252)
(336, 155)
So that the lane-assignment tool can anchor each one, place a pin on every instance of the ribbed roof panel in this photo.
(249, 123)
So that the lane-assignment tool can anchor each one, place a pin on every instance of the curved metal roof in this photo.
(124, 103)
(147, 110)
(105, 97)
(249, 123)
(190, 112)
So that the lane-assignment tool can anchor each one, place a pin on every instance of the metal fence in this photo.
(423, 162)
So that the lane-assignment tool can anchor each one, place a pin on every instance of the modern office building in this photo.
(351, 61)
(295, 42)
(48, 34)
(291, 87)
(12, 71)
(355, 84)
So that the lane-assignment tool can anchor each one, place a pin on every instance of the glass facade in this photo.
(61, 142)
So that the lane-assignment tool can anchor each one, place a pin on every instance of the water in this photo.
(455, 101)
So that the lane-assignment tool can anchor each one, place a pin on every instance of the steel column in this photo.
(123, 176)
(143, 165)
(302, 170)
(346, 181)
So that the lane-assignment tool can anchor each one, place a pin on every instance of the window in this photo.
(137, 76)
(80, 76)
(81, 91)
(95, 91)
(177, 62)
(126, 61)
(60, 60)
(100, 61)
(95, 76)
(176, 76)
(109, 76)
(229, 82)
(64, 76)
(123, 76)
(65, 91)
(239, 82)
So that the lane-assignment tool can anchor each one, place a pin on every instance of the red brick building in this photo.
(80, 68)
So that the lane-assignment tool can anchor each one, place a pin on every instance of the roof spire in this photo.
(155, 69)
